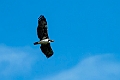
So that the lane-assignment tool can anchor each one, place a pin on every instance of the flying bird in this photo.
(42, 33)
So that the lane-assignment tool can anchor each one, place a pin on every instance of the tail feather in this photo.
(35, 43)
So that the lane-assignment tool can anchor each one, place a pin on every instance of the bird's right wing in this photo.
(42, 28)
(47, 50)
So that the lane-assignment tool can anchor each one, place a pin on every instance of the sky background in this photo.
(86, 35)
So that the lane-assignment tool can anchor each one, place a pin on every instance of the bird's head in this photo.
(50, 40)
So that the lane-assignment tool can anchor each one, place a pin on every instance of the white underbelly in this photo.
(45, 41)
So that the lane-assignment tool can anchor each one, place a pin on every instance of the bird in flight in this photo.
(42, 33)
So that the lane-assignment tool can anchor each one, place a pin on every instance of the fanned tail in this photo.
(35, 43)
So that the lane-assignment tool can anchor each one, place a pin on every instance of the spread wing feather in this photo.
(43, 34)
(42, 28)
(47, 50)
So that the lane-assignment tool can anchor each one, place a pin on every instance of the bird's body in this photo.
(43, 36)
(44, 41)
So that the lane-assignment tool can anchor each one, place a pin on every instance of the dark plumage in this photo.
(42, 28)
(43, 35)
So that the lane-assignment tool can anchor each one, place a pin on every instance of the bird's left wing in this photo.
(47, 50)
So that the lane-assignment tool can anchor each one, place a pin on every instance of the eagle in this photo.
(42, 33)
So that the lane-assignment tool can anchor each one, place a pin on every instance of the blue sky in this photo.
(86, 35)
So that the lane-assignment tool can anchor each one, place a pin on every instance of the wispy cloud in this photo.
(19, 64)
(100, 67)
(16, 62)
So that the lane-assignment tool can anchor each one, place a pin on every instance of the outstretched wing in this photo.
(47, 50)
(42, 28)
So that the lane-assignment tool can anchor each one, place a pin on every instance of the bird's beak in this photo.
(52, 40)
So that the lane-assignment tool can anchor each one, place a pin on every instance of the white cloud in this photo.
(100, 67)
(16, 61)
